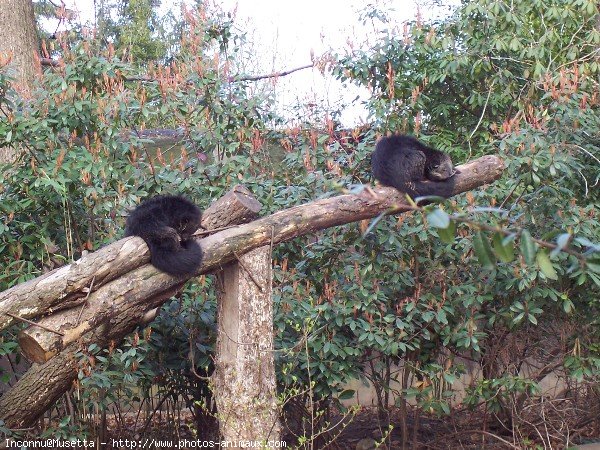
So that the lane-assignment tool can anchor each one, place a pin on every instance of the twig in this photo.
(212, 230)
(271, 75)
(486, 433)
(481, 117)
(510, 194)
(34, 324)
(86, 299)
(248, 272)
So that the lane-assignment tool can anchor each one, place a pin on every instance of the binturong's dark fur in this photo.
(167, 223)
(405, 163)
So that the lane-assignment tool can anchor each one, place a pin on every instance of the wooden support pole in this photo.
(244, 377)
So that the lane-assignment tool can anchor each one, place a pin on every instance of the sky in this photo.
(283, 34)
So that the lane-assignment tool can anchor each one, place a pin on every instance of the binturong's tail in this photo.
(416, 189)
(185, 259)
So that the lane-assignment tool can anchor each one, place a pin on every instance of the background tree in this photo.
(18, 44)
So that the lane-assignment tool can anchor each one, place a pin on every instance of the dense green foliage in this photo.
(494, 279)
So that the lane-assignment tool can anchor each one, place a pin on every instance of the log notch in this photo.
(244, 376)
(68, 286)
(109, 315)
(145, 282)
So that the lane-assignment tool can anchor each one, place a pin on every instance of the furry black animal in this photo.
(166, 223)
(405, 163)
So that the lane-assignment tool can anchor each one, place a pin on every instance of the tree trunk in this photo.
(18, 41)
(244, 377)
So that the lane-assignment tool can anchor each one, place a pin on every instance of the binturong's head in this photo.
(188, 220)
(439, 168)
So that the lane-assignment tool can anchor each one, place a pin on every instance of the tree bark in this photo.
(244, 377)
(18, 41)
(68, 286)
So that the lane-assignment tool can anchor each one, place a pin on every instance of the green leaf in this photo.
(595, 278)
(441, 316)
(445, 408)
(532, 319)
(438, 218)
(346, 394)
(593, 265)
(504, 251)
(545, 265)
(483, 250)
(447, 234)
(519, 317)
(528, 247)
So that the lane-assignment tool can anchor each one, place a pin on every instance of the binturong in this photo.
(167, 224)
(412, 167)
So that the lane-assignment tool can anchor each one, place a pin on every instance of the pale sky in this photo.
(282, 35)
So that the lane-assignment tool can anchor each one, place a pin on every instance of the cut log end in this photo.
(32, 345)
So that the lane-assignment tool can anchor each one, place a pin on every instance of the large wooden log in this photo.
(119, 298)
(244, 376)
(43, 384)
(56, 331)
(68, 286)
(224, 246)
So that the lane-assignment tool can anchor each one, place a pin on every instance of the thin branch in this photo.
(234, 78)
(481, 116)
(212, 230)
(85, 302)
(271, 75)
(30, 322)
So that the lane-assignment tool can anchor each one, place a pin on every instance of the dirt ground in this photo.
(365, 430)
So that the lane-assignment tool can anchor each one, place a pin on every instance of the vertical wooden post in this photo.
(244, 377)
